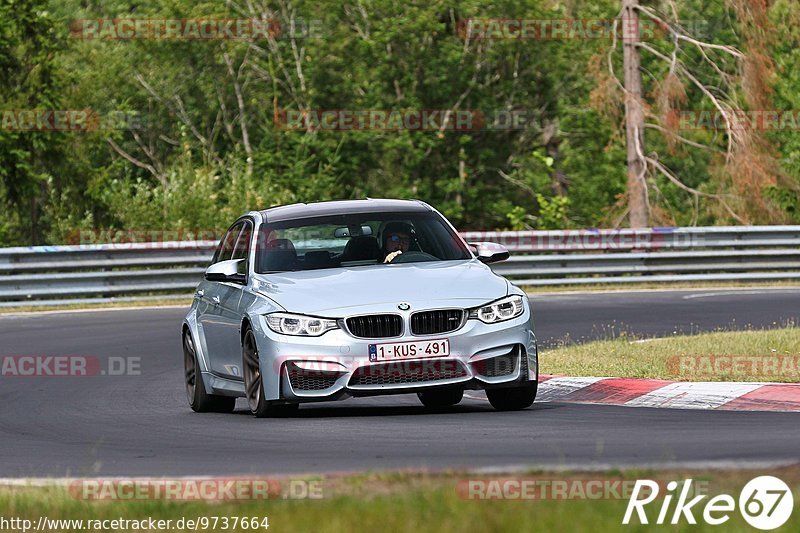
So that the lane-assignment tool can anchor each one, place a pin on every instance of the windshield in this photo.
(356, 240)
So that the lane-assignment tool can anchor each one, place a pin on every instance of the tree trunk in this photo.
(462, 179)
(558, 180)
(638, 208)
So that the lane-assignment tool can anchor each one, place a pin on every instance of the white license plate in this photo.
(409, 350)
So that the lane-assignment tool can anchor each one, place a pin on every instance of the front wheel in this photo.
(199, 400)
(513, 398)
(254, 383)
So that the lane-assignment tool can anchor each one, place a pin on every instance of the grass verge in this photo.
(77, 306)
(752, 355)
(423, 502)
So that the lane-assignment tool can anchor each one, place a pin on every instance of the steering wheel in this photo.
(412, 257)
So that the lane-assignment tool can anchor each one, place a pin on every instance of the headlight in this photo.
(305, 326)
(505, 309)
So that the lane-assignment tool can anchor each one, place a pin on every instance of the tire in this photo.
(254, 384)
(441, 398)
(199, 400)
(513, 398)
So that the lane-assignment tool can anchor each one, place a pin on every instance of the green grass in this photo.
(22, 308)
(403, 502)
(701, 357)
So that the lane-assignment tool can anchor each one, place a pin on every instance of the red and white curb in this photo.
(631, 392)
(733, 396)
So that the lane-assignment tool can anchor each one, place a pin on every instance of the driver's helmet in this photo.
(399, 227)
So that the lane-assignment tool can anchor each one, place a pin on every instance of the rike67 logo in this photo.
(765, 503)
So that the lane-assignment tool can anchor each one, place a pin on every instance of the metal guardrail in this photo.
(42, 275)
(586, 240)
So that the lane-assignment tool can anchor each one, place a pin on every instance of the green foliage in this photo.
(209, 147)
(787, 200)
(517, 218)
(552, 212)
(28, 80)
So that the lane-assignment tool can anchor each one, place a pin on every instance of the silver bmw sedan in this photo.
(324, 301)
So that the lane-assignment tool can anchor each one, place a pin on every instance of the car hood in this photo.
(380, 288)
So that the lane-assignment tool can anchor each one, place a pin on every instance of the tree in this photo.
(723, 78)
(638, 206)
(29, 80)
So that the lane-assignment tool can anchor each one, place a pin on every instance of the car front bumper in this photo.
(336, 365)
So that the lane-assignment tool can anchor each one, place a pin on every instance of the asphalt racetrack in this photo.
(141, 425)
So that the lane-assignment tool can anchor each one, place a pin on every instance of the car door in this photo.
(219, 314)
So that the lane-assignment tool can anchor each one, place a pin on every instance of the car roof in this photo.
(339, 207)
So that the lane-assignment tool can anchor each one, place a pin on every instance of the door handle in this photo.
(215, 299)
(200, 293)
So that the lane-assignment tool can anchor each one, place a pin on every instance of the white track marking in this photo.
(550, 390)
(556, 388)
(693, 395)
(723, 293)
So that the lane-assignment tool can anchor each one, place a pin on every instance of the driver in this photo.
(397, 238)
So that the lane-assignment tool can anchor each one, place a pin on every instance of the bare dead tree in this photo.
(727, 63)
(638, 205)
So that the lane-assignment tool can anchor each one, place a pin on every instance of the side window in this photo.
(242, 248)
(227, 244)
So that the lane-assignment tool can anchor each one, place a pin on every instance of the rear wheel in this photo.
(254, 383)
(513, 398)
(440, 399)
(199, 400)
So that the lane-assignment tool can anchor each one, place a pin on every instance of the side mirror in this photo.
(226, 271)
(489, 252)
